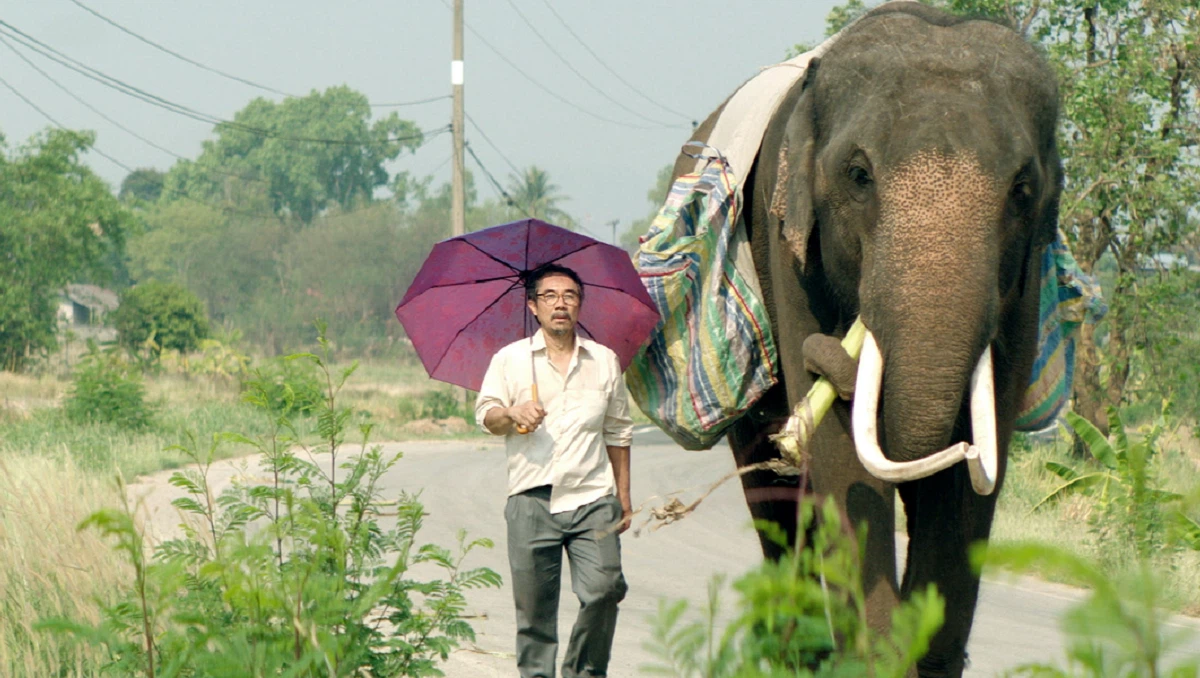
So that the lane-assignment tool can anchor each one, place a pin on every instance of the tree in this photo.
(299, 156)
(160, 316)
(145, 185)
(536, 196)
(59, 223)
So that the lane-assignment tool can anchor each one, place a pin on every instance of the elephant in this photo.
(911, 177)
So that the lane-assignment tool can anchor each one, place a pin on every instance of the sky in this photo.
(601, 99)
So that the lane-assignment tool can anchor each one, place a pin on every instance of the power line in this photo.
(29, 42)
(493, 145)
(113, 122)
(545, 89)
(59, 125)
(606, 66)
(176, 191)
(219, 72)
(418, 102)
(574, 70)
(136, 135)
(496, 184)
(175, 54)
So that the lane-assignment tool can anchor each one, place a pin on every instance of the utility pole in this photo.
(458, 191)
(614, 224)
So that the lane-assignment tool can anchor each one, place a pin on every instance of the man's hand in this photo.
(626, 516)
(527, 416)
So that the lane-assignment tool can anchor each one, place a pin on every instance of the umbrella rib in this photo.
(472, 321)
(566, 254)
(475, 282)
(496, 259)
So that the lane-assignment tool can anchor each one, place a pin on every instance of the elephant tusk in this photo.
(982, 459)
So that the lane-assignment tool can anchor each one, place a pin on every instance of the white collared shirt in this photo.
(586, 411)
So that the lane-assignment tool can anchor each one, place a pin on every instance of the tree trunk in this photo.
(1087, 389)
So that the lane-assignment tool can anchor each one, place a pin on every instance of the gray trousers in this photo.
(536, 539)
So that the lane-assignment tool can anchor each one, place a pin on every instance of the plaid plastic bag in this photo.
(1069, 298)
(712, 355)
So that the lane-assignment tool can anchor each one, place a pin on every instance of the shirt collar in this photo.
(538, 342)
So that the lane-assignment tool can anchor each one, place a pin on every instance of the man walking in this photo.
(568, 476)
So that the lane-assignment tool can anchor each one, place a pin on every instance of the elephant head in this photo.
(921, 180)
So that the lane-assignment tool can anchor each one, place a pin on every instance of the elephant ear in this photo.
(1047, 227)
(792, 197)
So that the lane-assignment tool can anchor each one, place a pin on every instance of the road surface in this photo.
(463, 487)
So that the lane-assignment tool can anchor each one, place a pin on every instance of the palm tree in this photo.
(534, 195)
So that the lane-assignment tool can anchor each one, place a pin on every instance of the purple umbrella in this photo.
(468, 300)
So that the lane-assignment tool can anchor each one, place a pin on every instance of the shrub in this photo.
(804, 615)
(439, 404)
(108, 390)
(157, 316)
(1132, 516)
(287, 387)
(1120, 629)
(300, 576)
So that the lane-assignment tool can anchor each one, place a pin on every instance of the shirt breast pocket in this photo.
(587, 408)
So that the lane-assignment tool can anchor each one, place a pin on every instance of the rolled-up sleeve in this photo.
(618, 425)
(494, 391)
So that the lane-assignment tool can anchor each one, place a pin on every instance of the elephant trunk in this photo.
(932, 308)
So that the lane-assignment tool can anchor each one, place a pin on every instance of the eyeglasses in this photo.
(551, 298)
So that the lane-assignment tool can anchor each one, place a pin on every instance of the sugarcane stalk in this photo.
(793, 439)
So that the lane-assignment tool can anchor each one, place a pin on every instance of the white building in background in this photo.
(82, 309)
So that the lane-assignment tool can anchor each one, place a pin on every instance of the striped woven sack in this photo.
(712, 355)
(1069, 298)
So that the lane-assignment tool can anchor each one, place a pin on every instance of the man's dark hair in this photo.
(535, 276)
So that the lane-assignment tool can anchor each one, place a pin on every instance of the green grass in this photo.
(1065, 523)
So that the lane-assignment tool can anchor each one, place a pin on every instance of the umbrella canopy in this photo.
(468, 300)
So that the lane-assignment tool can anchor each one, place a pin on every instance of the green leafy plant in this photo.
(1118, 630)
(1131, 513)
(287, 387)
(157, 316)
(108, 390)
(298, 576)
(803, 615)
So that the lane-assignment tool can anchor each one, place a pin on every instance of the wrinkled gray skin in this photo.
(913, 177)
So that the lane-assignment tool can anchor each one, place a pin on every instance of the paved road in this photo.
(464, 487)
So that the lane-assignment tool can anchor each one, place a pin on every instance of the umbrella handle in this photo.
(533, 392)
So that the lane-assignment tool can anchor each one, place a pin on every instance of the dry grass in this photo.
(23, 392)
(1065, 523)
(48, 568)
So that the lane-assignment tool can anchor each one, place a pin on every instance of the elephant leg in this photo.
(861, 498)
(945, 517)
(770, 496)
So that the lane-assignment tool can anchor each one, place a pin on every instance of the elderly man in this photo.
(568, 476)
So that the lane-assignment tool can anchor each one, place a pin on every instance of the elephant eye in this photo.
(860, 176)
(1021, 195)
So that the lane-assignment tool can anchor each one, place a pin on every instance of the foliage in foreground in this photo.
(299, 576)
(1118, 630)
(804, 615)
